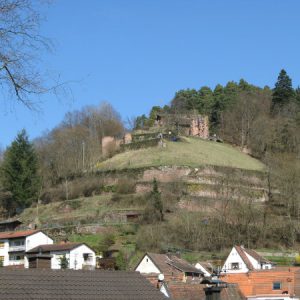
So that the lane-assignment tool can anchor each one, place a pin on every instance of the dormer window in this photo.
(235, 266)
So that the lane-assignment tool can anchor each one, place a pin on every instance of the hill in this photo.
(191, 152)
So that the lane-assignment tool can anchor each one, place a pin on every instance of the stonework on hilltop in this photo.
(188, 125)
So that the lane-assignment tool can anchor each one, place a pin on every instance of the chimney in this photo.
(213, 293)
(62, 242)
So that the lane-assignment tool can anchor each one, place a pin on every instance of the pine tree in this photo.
(155, 197)
(283, 92)
(154, 208)
(19, 171)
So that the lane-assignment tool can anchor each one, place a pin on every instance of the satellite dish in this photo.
(161, 277)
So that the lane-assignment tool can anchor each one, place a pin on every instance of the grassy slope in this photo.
(191, 152)
(56, 211)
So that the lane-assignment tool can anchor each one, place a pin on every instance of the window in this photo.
(17, 243)
(2, 245)
(277, 285)
(87, 257)
(235, 266)
(16, 257)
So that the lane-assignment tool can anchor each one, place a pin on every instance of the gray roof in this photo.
(46, 284)
(54, 247)
(166, 263)
(16, 221)
(183, 265)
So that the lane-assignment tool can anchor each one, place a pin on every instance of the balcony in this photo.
(16, 262)
(16, 248)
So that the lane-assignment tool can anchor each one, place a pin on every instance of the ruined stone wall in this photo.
(199, 127)
(189, 125)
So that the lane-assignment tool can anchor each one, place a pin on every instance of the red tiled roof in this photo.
(260, 282)
(187, 291)
(17, 234)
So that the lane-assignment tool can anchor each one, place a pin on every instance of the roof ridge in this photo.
(241, 251)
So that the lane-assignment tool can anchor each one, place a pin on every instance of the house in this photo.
(277, 283)
(297, 282)
(171, 266)
(242, 260)
(13, 245)
(9, 225)
(183, 291)
(45, 284)
(79, 256)
(205, 267)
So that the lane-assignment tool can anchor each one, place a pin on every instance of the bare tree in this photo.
(21, 46)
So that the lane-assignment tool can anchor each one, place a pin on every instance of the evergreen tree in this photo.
(19, 171)
(283, 92)
(64, 262)
(297, 95)
(154, 209)
(155, 197)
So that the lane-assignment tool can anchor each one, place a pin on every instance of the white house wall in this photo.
(55, 260)
(146, 266)
(35, 240)
(277, 297)
(75, 257)
(234, 257)
(4, 252)
(201, 268)
(256, 264)
(253, 261)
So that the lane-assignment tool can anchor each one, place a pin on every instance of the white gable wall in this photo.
(201, 268)
(35, 240)
(256, 264)
(164, 290)
(234, 257)
(147, 266)
(75, 257)
(77, 260)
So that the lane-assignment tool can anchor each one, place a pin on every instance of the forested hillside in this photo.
(182, 194)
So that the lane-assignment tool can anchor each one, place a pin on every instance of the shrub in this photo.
(75, 204)
(121, 261)
(125, 186)
(80, 187)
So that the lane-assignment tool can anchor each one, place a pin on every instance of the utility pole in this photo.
(83, 154)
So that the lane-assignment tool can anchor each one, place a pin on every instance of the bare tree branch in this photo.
(21, 46)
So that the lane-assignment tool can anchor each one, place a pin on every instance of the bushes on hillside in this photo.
(80, 187)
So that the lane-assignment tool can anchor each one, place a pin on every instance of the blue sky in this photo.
(138, 53)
